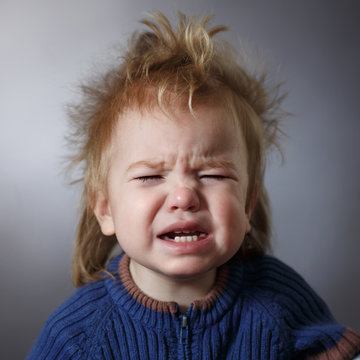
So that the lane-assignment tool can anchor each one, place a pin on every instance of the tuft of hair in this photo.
(188, 61)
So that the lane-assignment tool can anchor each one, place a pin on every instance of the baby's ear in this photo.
(103, 215)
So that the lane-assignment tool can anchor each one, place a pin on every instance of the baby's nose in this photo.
(183, 198)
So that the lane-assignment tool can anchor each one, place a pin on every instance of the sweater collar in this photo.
(127, 296)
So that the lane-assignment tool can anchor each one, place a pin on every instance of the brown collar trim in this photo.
(170, 307)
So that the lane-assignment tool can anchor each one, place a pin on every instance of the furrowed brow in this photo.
(147, 164)
(216, 163)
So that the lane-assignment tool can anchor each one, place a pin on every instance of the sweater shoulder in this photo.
(83, 307)
(68, 332)
(283, 293)
(269, 275)
(308, 328)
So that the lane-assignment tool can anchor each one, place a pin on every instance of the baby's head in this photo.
(173, 142)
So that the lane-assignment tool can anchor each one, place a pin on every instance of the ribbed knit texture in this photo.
(258, 310)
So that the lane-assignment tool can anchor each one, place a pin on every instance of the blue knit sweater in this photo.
(257, 310)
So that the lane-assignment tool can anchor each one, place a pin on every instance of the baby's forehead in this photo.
(154, 138)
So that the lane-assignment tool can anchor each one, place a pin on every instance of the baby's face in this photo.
(177, 191)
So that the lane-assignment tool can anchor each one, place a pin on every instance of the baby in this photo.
(173, 143)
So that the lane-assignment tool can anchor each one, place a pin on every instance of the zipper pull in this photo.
(183, 330)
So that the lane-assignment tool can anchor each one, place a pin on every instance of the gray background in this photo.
(47, 46)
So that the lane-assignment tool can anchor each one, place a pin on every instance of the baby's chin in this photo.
(188, 270)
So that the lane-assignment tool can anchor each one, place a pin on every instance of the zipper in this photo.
(184, 330)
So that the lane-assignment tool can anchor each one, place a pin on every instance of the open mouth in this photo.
(183, 236)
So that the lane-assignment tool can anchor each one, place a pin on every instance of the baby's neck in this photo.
(183, 291)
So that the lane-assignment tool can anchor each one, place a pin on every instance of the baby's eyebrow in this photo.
(215, 163)
(150, 164)
(201, 164)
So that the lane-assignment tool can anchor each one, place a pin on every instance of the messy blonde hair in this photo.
(189, 62)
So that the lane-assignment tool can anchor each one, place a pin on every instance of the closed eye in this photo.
(149, 178)
(213, 176)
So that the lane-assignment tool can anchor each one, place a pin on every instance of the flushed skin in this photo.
(180, 173)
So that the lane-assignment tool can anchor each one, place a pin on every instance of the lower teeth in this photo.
(186, 238)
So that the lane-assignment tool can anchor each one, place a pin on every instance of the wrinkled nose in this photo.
(183, 198)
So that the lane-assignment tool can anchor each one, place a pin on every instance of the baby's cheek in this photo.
(229, 210)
